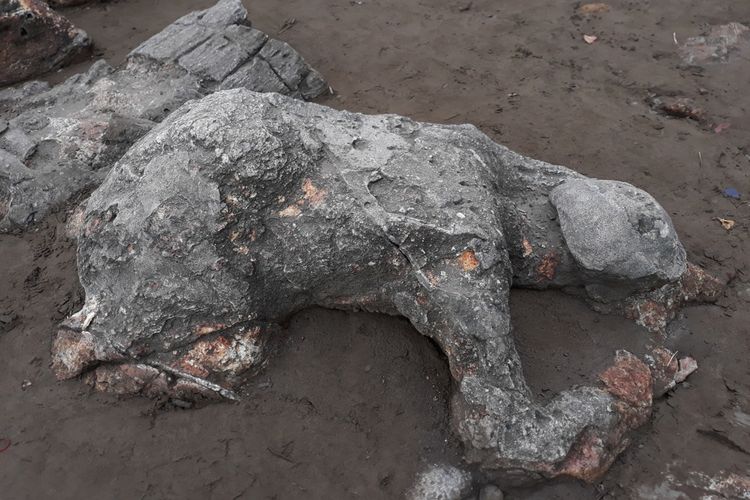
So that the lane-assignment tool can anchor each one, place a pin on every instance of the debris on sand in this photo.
(727, 224)
(668, 370)
(678, 484)
(34, 40)
(61, 141)
(654, 309)
(491, 492)
(717, 45)
(593, 8)
(678, 107)
(721, 127)
(590, 38)
(731, 193)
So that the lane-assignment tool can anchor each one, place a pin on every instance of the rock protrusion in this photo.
(35, 40)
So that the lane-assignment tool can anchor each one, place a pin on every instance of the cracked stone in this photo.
(241, 209)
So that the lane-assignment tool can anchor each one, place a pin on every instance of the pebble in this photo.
(491, 492)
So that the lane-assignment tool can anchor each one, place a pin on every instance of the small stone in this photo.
(440, 482)
(743, 292)
(491, 492)
(25, 384)
(717, 45)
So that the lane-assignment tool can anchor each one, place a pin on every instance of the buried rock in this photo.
(34, 40)
(717, 45)
(241, 208)
(57, 143)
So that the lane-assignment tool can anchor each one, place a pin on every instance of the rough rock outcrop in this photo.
(34, 40)
(58, 142)
(241, 209)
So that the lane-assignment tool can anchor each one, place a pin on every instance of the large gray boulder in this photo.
(58, 143)
(241, 208)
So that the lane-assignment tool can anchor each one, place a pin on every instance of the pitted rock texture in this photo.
(56, 143)
(241, 209)
(35, 40)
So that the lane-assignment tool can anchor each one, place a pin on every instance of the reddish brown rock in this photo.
(656, 308)
(34, 40)
(629, 380)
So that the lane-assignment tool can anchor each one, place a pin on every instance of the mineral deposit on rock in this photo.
(241, 209)
(56, 143)
(35, 40)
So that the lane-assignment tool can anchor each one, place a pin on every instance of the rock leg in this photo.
(579, 433)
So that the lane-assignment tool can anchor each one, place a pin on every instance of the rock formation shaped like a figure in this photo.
(34, 40)
(59, 142)
(241, 209)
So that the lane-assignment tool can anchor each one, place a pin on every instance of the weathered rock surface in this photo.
(34, 40)
(58, 142)
(240, 209)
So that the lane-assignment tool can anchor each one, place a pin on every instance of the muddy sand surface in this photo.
(353, 405)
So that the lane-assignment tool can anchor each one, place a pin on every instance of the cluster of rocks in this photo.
(223, 203)
(56, 143)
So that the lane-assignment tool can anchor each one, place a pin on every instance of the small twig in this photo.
(279, 455)
(672, 359)
(201, 382)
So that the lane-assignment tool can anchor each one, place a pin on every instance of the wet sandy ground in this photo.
(354, 404)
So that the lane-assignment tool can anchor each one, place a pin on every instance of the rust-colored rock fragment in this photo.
(313, 195)
(468, 261)
(678, 107)
(588, 459)
(547, 267)
(222, 354)
(629, 379)
(656, 308)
